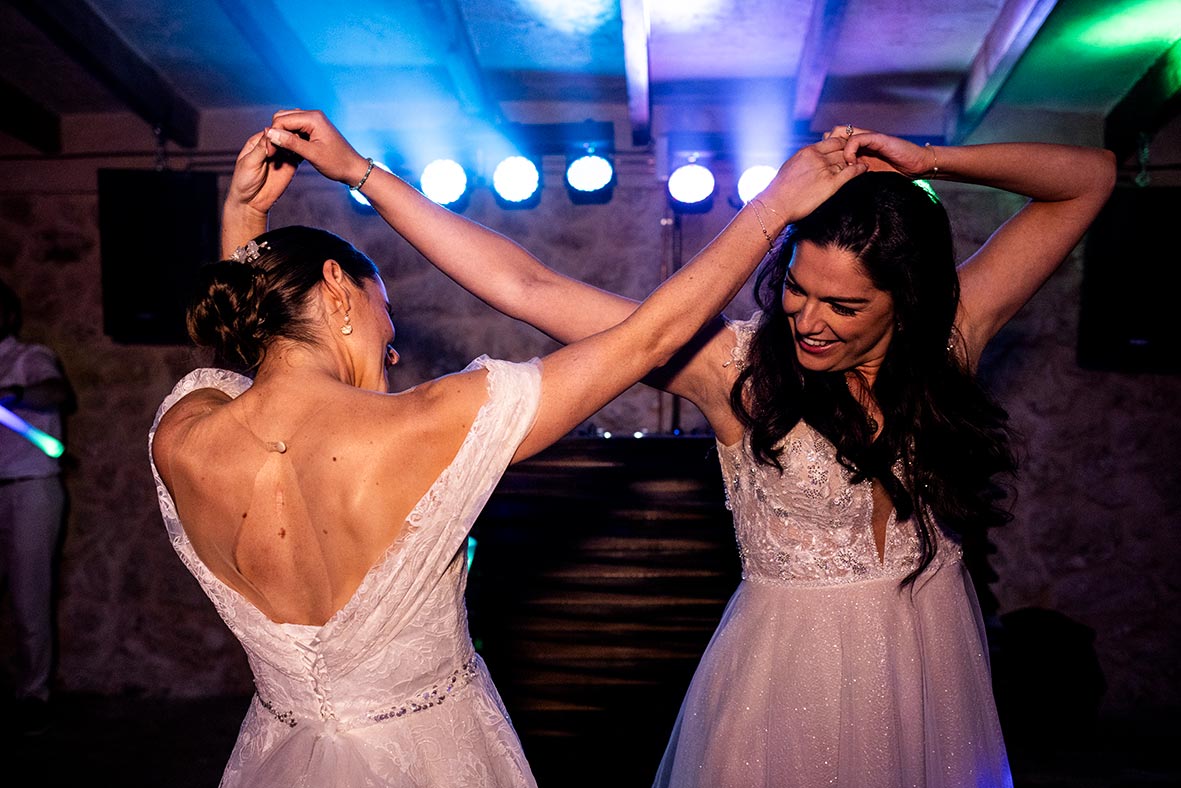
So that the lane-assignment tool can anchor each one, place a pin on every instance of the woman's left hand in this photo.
(310, 135)
(883, 153)
(812, 175)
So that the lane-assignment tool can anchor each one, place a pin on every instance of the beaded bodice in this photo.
(810, 525)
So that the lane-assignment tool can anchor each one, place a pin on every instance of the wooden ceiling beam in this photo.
(637, 68)
(1151, 103)
(1014, 30)
(267, 33)
(26, 120)
(824, 26)
(86, 37)
(459, 58)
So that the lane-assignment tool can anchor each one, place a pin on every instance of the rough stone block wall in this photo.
(1095, 532)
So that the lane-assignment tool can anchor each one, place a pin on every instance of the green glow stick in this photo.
(42, 440)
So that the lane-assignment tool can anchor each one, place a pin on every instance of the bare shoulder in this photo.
(450, 400)
(702, 368)
(182, 418)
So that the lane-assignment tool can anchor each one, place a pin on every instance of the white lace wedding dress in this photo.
(823, 671)
(389, 692)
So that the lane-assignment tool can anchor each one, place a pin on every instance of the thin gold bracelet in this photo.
(754, 204)
(935, 168)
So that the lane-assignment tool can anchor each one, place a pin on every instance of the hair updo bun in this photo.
(226, 314)
(240, 307)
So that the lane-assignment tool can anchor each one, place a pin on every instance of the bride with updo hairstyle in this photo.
(241, 304)
(325, 517)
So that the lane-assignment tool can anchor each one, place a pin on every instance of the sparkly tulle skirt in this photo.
(857, 685)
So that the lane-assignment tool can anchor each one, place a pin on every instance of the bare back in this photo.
(292, 491)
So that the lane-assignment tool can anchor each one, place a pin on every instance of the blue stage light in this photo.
(517, 182)
(754, 180)
(590, 177)
(444, 181)
(589, 173)
(690, 185)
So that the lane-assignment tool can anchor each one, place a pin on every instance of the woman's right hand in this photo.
(310, 135)
(261, 175)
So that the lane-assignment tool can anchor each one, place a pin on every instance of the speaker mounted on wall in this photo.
(157, 227)
(1131, 276)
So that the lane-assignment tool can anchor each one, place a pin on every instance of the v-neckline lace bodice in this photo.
(825, 669)
(812, 525)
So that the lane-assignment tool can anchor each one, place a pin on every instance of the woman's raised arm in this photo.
(582, 377)
(487, 264)
(261, 175)
(1067, 187)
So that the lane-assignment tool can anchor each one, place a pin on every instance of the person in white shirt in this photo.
(32, 501)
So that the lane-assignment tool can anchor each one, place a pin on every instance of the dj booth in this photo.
(599, 571)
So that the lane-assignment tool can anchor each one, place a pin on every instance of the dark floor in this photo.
(134, 742)
(592, 632)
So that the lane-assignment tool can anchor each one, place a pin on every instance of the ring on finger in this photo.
(848, 129)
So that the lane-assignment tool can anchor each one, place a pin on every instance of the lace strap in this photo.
(744, 331)
(440, 521)
(230, 383)
(223, 380)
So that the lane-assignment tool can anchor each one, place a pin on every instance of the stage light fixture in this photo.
(444, 181)
(691, 187)
(590, 176)
(360, 198)
(690, 157)
(753, 180)
(516, 182)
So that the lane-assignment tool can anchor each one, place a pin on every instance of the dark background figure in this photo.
(32, 502)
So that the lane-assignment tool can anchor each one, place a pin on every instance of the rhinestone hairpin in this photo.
(250, 252)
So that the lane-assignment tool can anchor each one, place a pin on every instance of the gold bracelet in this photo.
(768, 207)
(935, 168)
(754, 204)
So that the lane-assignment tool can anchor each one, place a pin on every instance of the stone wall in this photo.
(1096, 511)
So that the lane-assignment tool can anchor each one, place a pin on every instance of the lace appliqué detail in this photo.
(400, 636)
(288, 718)
(459, 679)
(810, 526)
(744, 331)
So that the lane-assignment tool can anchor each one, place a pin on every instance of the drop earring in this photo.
(347, 328)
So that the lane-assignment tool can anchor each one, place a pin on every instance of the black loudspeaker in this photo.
(1131, 280)
(157, 228)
